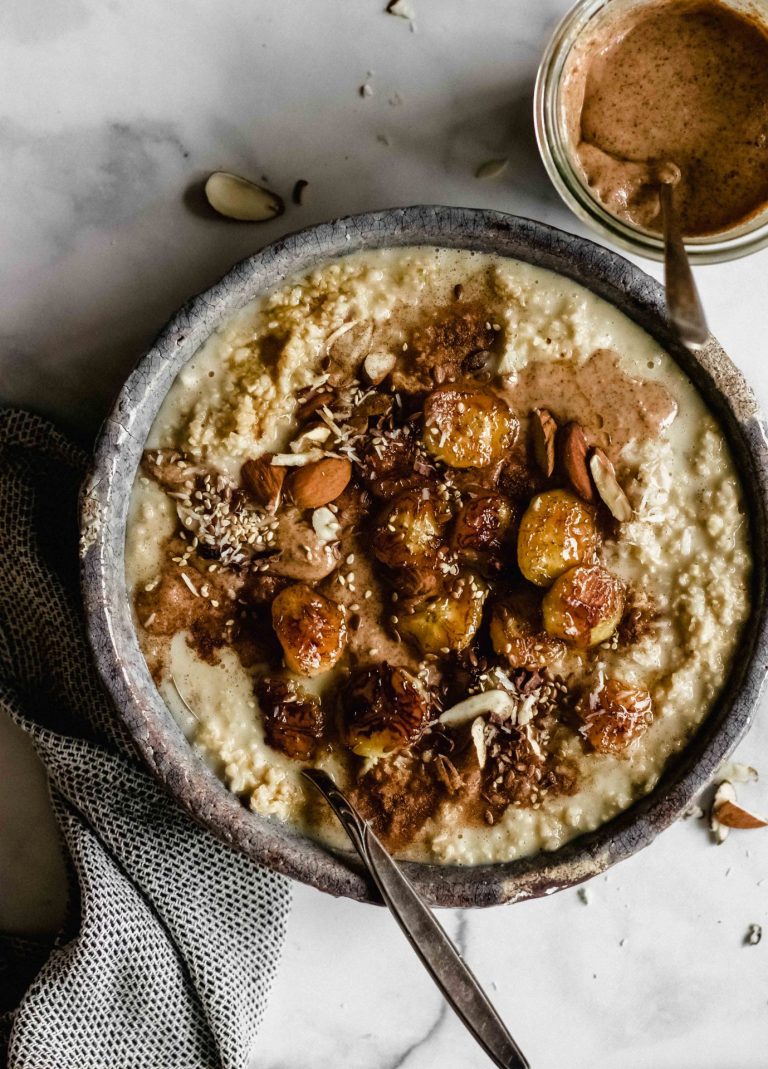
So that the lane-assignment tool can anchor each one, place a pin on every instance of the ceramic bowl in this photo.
(105, 506)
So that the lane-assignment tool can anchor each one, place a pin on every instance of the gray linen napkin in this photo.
(173, 939)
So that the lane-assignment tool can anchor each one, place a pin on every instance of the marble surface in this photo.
(112, 114)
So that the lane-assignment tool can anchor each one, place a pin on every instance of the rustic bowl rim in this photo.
(104, 504)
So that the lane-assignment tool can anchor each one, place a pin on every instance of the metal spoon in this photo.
(683, 301)
(438, 954)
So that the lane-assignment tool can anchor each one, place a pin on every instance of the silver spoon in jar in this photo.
(438, 954)
(683, 302)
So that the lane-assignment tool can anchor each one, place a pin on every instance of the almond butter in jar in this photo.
(627, 86)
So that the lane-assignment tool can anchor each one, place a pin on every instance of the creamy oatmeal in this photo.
(450, 527)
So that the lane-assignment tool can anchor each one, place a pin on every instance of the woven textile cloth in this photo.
(173, 939)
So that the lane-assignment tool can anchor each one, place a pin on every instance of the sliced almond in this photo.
(237, 198)
(296, 460)
(320, 482)
(611, 493)
(310, 439)
(543, 433)
(378, 365)
(263, 481)
(478, 737)
(573, 457)
(497, 702)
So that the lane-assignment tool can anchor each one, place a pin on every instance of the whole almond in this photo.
(611, 493)
(573, 457)
(543, 432)
(263, 481)
(320, 482)
(237, 198)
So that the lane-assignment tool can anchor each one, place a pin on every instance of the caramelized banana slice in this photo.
(557, 531)
(293, 720)
(467, 426)
(410, 531)
(584, 606)
(615, 715)
(389, 466)
(448, 621)
(518, 635)
(310, 628)
(481, 527)
(385, 709)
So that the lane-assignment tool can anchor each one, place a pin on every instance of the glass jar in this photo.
(557, 152)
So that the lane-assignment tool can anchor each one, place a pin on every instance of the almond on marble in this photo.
(237, 198)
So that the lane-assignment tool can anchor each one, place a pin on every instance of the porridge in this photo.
(451, 528)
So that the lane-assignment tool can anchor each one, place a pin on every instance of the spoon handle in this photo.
(427, 937)
(683, 302)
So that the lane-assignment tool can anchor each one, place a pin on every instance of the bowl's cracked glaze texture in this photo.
(105, 505)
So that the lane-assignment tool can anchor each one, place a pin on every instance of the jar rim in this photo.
(569, 181)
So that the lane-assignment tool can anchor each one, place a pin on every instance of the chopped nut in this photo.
(727, 813)
(310, 439)
(237, 198)
(263, 481)
(498, 703)
(612, 495)
(378, 365)
(478, 737)
(448, 773)
(754, 935)
(543, 432)
(737, 772)
(312, 403)
(573, 456)
(403, 8)
(296, 460)
(325, 524)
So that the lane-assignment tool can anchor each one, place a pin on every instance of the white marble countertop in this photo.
(111, 115)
